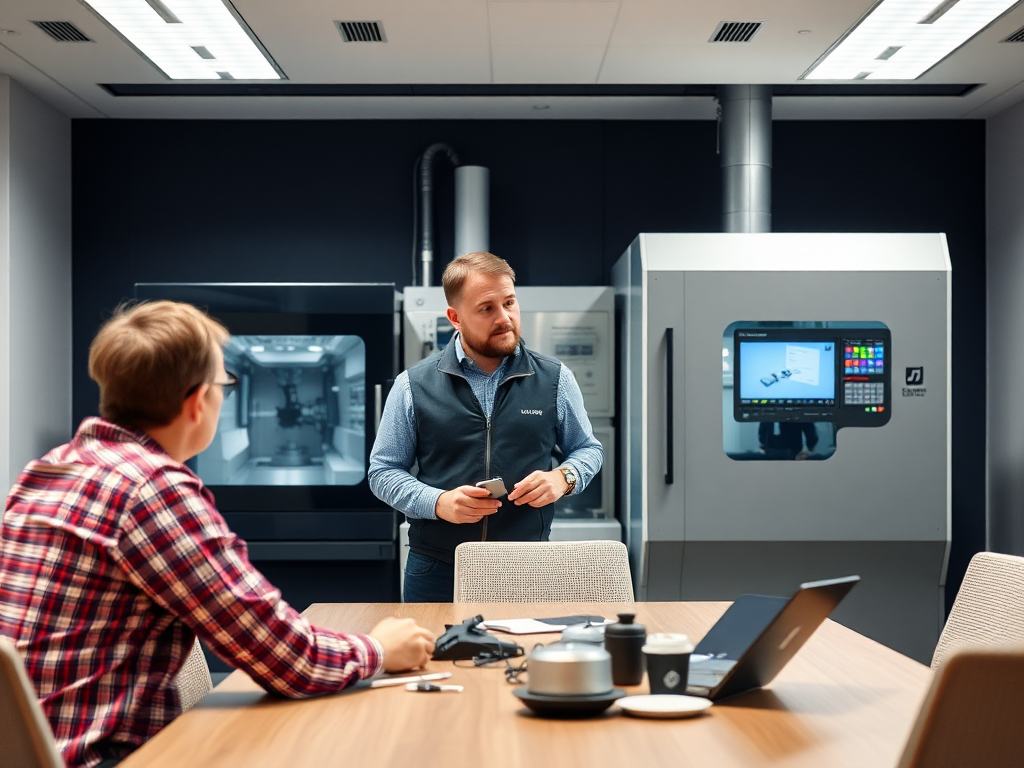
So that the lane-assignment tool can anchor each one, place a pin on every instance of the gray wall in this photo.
(1005, 262)
(35, 278)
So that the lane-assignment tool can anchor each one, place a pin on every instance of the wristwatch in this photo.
(570, 478)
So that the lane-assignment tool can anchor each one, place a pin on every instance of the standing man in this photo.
(113, 557)
(484, 407)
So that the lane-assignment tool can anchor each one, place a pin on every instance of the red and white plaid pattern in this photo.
(112, 558)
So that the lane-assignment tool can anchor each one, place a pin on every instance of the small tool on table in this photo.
(432, 688)
(387, 681)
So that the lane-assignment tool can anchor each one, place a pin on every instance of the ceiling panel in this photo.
(547, 64)
(552, 24)
(532, 41)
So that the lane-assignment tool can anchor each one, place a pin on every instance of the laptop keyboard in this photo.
(709, 673)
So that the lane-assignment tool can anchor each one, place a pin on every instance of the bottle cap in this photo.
(626, 627)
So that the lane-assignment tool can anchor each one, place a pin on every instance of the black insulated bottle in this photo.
(625, 641)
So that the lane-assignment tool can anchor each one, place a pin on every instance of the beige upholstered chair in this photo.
(542, 572)
(973, 713)
(989, 609)
(25, 737)
(194, 679)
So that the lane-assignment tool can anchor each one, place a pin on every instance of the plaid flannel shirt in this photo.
(112, 558)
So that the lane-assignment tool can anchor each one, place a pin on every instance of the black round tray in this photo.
(568, 706)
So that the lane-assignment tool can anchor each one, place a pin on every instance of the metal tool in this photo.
(432, 688)
(389, 681)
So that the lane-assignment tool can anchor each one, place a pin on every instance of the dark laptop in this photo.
(758, 636)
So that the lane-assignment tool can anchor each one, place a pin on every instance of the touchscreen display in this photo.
(796, 372)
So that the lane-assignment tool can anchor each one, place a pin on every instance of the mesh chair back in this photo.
(973, 713)
(194, 679)
(542, 572)
(25, 737)
(989, 609)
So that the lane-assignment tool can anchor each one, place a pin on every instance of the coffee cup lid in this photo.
(667, 643)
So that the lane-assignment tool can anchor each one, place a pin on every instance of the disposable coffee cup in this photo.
(668, 662)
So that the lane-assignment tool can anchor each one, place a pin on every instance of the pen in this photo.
(388, 681)
(433, 688)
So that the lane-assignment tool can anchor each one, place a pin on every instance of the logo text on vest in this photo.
(531, 413)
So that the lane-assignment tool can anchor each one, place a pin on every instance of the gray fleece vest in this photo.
(457, 445)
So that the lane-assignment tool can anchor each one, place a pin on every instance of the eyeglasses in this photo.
(513, 672)
(229, 385)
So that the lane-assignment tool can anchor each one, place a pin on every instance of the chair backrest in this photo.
(973, 713)
(194, 679)
(26, 740)
(989, 609)
(542, 572)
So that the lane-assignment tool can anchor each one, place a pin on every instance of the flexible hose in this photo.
(427, 204)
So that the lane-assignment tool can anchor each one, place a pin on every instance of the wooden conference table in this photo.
(844, 700)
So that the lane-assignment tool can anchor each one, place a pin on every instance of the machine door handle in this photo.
(378, 405)
(669, 420)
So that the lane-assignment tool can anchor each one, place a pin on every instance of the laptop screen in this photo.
(740, 626)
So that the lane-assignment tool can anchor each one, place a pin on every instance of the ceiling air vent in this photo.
(1016, 37)
(735, 31)
(361, 31)
(63, 31)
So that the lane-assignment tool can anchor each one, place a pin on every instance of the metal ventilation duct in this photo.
(1016, 37)
(63, 31)
(735, 31)
(362, 31)
(745, 112)
(472, 209)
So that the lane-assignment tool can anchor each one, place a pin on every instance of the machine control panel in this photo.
(836, 375)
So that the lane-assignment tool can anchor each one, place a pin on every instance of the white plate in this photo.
(663, 705)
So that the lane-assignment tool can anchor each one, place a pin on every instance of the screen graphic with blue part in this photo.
(793, 372)
(297, 416)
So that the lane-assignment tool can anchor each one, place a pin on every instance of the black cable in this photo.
(415, 215)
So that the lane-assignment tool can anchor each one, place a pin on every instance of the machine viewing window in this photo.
(297, 417)
(788, 387)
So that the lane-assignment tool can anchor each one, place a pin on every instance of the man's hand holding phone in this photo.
(465, 504)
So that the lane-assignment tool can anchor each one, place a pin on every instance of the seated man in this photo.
(113, 556)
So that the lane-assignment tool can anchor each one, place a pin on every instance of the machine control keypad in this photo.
(864, 393)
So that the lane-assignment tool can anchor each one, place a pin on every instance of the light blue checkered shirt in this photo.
(394, 450)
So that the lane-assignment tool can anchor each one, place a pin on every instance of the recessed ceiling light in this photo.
(541, 106)
(803, 31)
(190, 39)
(8, 31)
(902, 39)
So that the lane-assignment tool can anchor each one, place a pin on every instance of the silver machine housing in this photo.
(878, 507)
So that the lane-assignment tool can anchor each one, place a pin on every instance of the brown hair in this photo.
(460, 268)
(148, 356)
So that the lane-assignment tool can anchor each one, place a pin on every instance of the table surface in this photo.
(844, 700)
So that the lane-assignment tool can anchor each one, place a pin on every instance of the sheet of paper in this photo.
(805, 363)
(528, 626)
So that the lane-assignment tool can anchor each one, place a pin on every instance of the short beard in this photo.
(495, 351)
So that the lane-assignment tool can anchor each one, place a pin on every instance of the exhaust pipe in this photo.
(745, 132)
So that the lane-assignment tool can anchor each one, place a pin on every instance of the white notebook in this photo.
(537, 626)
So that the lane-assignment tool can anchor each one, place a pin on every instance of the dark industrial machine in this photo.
(288, 462)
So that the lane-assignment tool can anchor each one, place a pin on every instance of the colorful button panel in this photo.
(864, 360)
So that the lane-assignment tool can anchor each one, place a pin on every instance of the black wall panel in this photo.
(332, 201)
